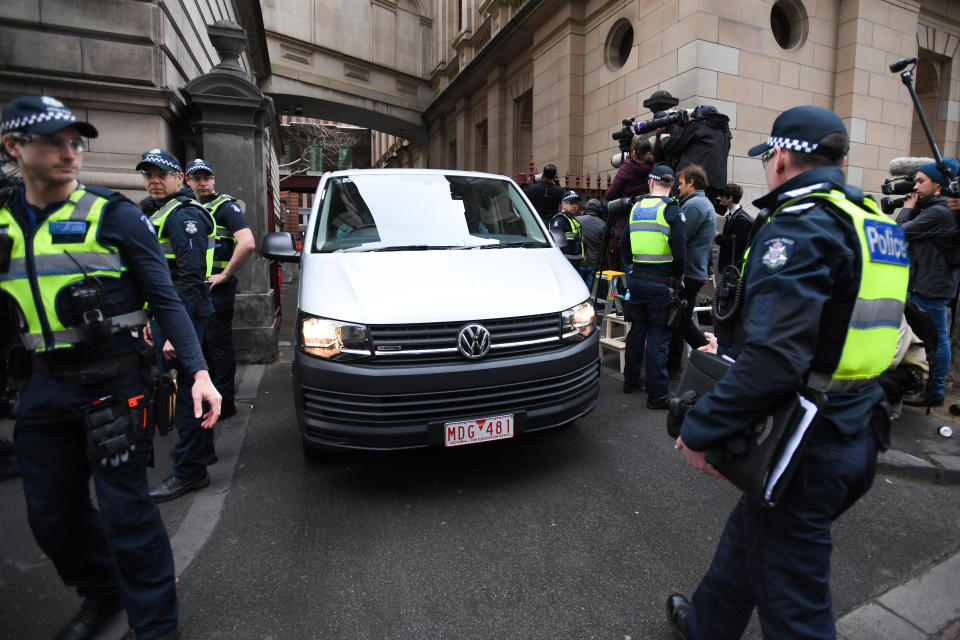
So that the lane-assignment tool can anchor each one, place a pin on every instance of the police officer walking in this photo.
(185, 230)
(77, 264)
(655, 245)
(821, 305)
(234, 244)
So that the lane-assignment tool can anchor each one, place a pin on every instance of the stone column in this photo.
(231, 115)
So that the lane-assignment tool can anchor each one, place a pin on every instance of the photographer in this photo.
(703, 140)
(545, 194)
(631, 177)
(927, 221)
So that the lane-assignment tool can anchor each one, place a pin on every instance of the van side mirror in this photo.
(279, 246)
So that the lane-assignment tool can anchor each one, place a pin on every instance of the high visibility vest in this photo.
(573, 236)
(871, 334)
(649, 232)
(159, 220)
(226, 244)
(43, 266)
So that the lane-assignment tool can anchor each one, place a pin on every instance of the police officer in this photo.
(566, 230)
(817, 310)
(655, 245)
(185, 230)
(234, 244)
(77, 264)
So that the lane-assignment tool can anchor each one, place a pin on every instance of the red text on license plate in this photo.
(480, 430)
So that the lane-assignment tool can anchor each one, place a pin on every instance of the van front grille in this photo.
(436, 343)
(399, 410)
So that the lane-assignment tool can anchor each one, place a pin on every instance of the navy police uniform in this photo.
(802, 267)
(187, 229)
(650, 301)
(218, 339)
(118, 552)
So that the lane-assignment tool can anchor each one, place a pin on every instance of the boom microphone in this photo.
(907, 166)
(901, 64)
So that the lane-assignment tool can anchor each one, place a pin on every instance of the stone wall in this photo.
(117, 63)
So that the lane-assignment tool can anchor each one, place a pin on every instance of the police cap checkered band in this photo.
(801, 129)
(198, 164)
(571, 196)
(43, 115)
(159, 158)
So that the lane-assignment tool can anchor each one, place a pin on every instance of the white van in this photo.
(434, 310)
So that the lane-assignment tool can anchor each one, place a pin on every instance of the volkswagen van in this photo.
(434, 309)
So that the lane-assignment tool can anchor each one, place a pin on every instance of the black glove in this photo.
(678, 409)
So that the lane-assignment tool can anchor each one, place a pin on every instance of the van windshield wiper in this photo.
(414, 247)
(522, 243)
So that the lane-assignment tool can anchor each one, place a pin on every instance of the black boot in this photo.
(677, 609)
(174, 487)
(93, 616)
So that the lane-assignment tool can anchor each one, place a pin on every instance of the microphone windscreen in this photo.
(907, 166)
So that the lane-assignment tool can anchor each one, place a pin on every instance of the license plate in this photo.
(480, 430)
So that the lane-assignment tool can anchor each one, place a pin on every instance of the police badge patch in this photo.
(190, 227)
(777, 253)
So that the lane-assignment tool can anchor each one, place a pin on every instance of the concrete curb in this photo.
(941, 469)
(918, 609)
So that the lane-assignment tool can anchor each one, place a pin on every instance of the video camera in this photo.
(952, 188)
(629, 127)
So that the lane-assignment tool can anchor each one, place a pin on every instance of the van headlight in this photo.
(333, 339)
(576, 323)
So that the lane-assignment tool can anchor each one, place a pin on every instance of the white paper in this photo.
(809, 411)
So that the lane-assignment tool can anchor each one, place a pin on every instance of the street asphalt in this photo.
(222, 544)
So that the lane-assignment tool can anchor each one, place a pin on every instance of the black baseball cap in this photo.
(198, 164)
(43, 115)
(662, 173)
(801, 129)
(160, 159)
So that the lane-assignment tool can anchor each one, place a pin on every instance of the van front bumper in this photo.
(379, 407)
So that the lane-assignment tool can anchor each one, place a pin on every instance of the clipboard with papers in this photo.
(760, 459)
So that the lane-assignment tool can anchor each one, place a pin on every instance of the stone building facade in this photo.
(553, 78)
(149, 74)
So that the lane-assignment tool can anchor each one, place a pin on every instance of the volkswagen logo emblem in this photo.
(474, 341)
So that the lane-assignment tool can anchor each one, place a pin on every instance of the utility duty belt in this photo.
(88, 373)
(117, 424)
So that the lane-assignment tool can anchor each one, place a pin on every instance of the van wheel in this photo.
(312, 453)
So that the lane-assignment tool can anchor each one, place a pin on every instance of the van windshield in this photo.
(410, 211)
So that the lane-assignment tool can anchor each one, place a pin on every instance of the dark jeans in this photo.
(778, 559)
(218, 340)
(119, 551)
(686, 331)
(648, 338)
(936, 308)
(194, 443)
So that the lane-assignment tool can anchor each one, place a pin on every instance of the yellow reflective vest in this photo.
(45, 266)
(649, 232)
(225, 242)
(159, 220)
(872, 332)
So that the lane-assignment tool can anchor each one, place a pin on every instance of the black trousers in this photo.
(686, 331)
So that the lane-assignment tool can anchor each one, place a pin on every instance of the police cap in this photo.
(160, 159)
(198, 164)
(801, 129)
(43, 115)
